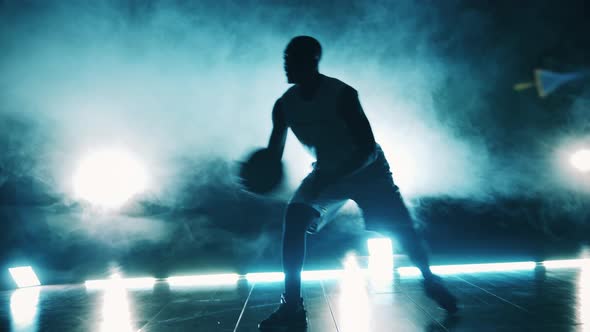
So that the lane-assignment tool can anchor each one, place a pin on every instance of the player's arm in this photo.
(278, 136)
(358, 124)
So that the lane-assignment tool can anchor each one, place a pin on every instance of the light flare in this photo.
(109, 178)
(581, 160)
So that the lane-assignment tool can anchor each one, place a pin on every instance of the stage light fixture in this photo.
(204, 280)
(265, 277)
(315, 275)
(127, 283)
(567, 263)
(469, 268)
(380, 259)
(24, 276)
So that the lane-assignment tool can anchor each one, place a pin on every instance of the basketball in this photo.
(261, 173)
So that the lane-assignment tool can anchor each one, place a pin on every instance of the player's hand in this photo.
(261, 172)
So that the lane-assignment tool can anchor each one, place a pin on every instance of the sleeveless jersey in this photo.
(318, 122)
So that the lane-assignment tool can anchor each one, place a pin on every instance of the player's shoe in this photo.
(287, 317)
(438, 292)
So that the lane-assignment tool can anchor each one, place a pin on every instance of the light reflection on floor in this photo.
(116, 311)
(353, 302)
(506, 301)
(23, 308)
(583, 296)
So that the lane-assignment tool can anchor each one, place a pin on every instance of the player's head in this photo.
(302, 57)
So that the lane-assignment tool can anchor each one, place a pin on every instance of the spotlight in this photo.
(581, 160)
(24, 276)
(109, 178)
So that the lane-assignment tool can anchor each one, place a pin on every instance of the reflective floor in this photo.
(532, 300)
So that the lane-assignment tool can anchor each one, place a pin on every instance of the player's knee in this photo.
(299, 216)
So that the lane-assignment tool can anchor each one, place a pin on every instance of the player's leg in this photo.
(387, 215)
(291, 312)
(310, 209)
(306, 213)
(385, 212)
(298, 218)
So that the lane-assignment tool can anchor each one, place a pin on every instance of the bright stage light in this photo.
(567, 263)
(24, 276)
(109, 178)
(380, 247)
(380, 259)
(127, 283)
(204, 280)
(581, 160)
(265, 277)
(305, 276)
(410, 271)
(469, 268)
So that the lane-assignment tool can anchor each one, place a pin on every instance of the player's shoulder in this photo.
(291, 91)
(334, 81)
(331, 85)
(339, 85)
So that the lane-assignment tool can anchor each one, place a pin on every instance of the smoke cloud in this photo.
(189, 88)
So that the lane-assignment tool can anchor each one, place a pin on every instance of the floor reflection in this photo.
(552, 299)
(116, 307)
(354, 306)
(583, 307)
(23, 309)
